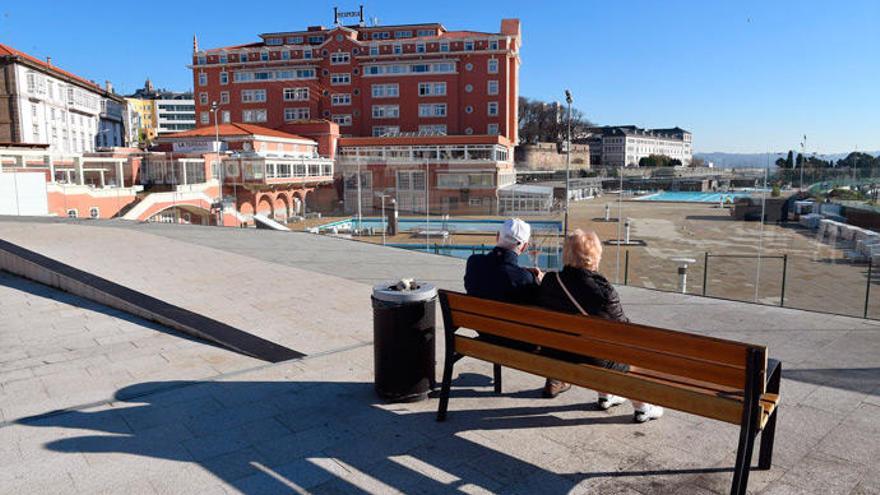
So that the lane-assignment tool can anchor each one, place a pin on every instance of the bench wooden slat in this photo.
(635, 387)
(698, 369)
(696, 346)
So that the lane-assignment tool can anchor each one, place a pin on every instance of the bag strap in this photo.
(570, 297)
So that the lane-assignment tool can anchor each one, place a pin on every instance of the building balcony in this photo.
(272, 170)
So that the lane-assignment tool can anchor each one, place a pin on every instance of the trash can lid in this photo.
(397, 292)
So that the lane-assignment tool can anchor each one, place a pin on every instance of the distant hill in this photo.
(731, 160)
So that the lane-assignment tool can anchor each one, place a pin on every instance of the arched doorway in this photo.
(282, 208)
(265, 206)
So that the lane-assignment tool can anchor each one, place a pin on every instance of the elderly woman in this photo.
(579, 288)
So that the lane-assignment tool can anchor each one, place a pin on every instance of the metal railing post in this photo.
(868, 288)
(705, 272)
(626, 268)
(784, 272)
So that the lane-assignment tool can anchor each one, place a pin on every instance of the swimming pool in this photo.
(548, 258)
(453, 226)
(694, 196)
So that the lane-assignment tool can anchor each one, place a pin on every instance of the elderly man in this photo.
(497, 275)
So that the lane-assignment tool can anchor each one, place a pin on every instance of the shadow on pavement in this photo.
(271, 437)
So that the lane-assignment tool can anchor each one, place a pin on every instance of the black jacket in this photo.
(497, 275)
(591, 290)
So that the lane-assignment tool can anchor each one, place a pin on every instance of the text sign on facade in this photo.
(354, 13)
(198, 146)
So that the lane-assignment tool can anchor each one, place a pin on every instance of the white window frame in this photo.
(386, 111)
(340, 99)
(343, 120)
(252, 115)
(381, 130)
(205, 118)
(432, 110)
(492, 129)
(203, 79)
(253, 95)
(94, 212)
(382, 90)
(299, 111)
(296, 94)
(492, 109)
(224, 78)
(492, 87)
(224, 97)
(492, 66)
(340, 58)
(340, 79)
(432, 88)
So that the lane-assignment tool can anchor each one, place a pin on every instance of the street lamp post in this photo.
(568, 99)
(215, 107)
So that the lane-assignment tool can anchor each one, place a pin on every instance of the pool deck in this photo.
(95, 400)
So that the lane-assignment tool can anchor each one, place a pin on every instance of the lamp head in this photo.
(568, 98)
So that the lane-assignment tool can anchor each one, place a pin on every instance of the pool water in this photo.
(452, 225)
(694, 196)
(547, 258)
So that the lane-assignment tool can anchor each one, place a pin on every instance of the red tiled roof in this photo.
(234, 129)
(6, 50)
(422, 140)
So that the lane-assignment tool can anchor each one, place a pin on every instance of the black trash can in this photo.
(403, 341)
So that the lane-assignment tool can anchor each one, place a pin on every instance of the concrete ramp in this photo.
(34, 266)
(264, 222)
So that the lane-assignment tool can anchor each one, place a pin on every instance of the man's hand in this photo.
(539, 275)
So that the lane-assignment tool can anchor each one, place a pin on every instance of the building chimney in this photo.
(195, 44)
(108, 86)
(48, 60)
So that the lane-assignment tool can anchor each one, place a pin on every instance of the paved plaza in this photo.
(95, 400)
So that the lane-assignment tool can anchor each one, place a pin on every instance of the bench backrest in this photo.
(689, 356)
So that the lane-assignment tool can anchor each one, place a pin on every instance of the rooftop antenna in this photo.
(375, 21)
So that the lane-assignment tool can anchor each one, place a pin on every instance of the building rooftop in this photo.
(231, 130)
(8, 51)
(93, 399)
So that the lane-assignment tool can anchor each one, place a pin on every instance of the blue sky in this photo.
(744, 76)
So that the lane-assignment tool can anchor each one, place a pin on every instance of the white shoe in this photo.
(647, 413)
(607, 401)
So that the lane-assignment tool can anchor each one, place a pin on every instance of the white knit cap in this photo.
(514, 233)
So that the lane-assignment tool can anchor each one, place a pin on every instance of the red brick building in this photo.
(372, 81)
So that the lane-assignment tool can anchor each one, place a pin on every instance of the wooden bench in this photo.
(714, 378)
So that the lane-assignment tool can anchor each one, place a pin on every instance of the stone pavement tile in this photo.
(299, 475)
(230, 417)
(281, 450)
(779, 488)
(853, 444)
(188, 479)
(826, 475)
(799, 430)
(540, 482)
(351, 479)
(141, 417)
(234, 465)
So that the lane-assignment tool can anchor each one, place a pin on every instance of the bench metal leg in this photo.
(496, 369)
(765, 455)
(743, 461)
(449, 362)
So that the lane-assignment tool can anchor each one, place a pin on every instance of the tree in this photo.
(658, 161)
(781, 163)
(789, 161)
(540, 121)
(858, 159)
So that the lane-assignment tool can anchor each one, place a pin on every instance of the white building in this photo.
(44, 104)
(175, 115)
(624, 146)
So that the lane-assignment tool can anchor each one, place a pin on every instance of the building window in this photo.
(493, 44)
(468, 109)
(296, 94)
(205, 118)
(224, 78)
(386, 111)
(492, 87)
(296, 113)
(342, 120)
(94, 212)
(398, 48)
(203, 79)
(374, 50)
(469, 67)
(295, 40)
(468, 131)
(403, 34)
(492, 66)
(285, 55)
(225, 116)
(224, 97)
(264, 56)
(253, 95)
(432, 89)
(385, 130)
(492, 109)
(468, 88)
(223, 58)
(386, 90)
(420, 48)
(340, 79)
(72, 213)
(339, 99)
(432, 129)
(338, 58)
(255, 115)
(426, 32)
(307, 53)
(202, 60)
(316, 40)
(444, 46)
(275, 41)
(429, 110)
(203, 98)
(468, 46)
(492, 129)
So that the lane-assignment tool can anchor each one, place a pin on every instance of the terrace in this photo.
(100, 400)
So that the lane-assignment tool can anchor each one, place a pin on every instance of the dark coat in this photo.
(497, 275)
(591, 290)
